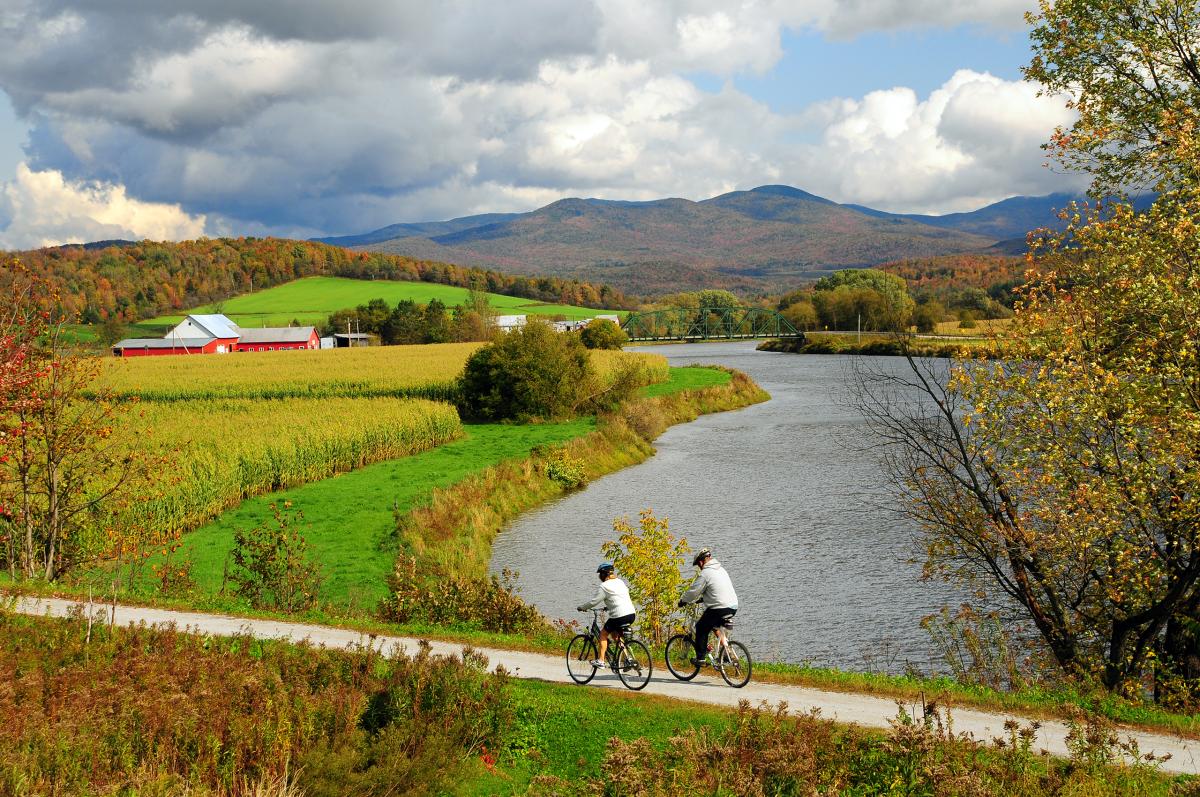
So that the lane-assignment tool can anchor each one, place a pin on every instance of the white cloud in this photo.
(301, 115)
(43, 209)
(974, 140)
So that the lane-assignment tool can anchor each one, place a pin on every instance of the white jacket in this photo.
(713, 586)
(615, 596)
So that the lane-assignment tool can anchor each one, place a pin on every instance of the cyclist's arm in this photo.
(594, 602)
(695, 590)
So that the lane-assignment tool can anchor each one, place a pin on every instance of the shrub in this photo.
(271, 567)
(531, 372)
(147, 711)
(438, 597)
(565, 469)
(600, 333)
(648, 558)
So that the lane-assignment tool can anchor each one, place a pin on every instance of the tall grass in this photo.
(396, 371)
(218, 452)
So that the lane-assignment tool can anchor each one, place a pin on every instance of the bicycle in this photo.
(629, 658)
(732, 659)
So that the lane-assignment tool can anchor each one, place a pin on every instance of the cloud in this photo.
(974, 140)
(304, 116)
(43, 209)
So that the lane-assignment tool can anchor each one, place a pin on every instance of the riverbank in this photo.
(876, 344)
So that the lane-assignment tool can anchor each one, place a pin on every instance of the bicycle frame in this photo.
(594, 633)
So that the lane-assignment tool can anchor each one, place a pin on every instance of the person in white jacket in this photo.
(714, 589)
(614, 595)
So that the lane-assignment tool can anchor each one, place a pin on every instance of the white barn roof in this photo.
(216, 325)
(162, 343)
(275, 334)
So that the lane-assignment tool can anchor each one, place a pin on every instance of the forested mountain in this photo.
(132, 281)
(767, 237)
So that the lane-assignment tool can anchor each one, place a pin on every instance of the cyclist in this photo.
(714, 588)
(614, 595)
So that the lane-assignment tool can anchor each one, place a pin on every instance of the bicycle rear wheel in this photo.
(634, 665)
(580, 653)
(733, 662)
(680, 650)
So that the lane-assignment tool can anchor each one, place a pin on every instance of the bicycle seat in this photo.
(727, 623)
(627, 631)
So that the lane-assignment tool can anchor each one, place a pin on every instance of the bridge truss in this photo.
(709, 323)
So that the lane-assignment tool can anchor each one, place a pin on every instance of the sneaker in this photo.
(700, 662)
(599, 665)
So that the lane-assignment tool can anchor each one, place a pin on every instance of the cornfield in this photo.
(218, 452)
(653, 367)
(394, 371)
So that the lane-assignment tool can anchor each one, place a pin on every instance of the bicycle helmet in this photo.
(700, 554)
(605, 567)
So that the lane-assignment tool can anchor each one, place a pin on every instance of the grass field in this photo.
(349, 519)
(312, 299)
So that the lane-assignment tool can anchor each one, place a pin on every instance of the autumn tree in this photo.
(1131, 71)
(62, 470)
(649, 557)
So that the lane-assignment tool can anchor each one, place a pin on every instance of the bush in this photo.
(271, 567)
(438, 597)
(600, 333)
(531, 372)
(649, 558)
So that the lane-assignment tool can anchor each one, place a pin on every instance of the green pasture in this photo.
(349, 519)
(312, 299)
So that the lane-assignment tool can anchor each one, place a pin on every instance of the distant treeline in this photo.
(409, 322)
(141, 280)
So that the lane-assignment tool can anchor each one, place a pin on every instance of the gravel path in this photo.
(865, 710)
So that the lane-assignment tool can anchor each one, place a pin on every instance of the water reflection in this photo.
(798, 515)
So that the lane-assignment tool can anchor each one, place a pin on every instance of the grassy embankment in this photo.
(243, 717)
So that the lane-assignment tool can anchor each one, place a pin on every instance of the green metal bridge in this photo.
(708, 323)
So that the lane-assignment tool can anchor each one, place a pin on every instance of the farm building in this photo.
(216, 334)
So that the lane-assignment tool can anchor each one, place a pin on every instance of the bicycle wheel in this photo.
(634, 665)
(680, 649)
(580, 653)
(734, 664)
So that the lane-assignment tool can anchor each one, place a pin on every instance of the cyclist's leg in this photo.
(604, 636)
(707, 622)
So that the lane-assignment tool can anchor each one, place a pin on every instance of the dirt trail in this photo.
(865, 710)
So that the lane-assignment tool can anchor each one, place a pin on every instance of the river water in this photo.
(796, 510)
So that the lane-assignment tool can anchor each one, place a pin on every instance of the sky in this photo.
(173, 119)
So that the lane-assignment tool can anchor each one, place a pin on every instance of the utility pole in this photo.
(860, 327)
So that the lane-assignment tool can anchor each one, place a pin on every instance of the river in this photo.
(784, 494)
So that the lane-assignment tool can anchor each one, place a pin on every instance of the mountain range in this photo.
(765, 238)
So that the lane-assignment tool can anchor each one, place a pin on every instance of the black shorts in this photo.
(614, 625)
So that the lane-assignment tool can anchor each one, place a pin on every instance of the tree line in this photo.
(135, 281)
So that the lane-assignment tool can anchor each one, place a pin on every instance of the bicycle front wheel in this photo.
(734, 664)
(580, 654)
(634, 665)
(680, 650)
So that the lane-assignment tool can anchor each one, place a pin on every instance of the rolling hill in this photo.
(311, 300)
(767, 237)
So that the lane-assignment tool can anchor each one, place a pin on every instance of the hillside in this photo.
(311, 300)
(144, 280)
(768, 237)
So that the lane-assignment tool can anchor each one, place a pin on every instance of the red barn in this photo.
(216, 334)
(278, 339)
